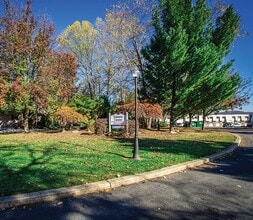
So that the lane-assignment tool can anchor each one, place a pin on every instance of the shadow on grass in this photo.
(25, 168)
(195, 149)
(16, 177)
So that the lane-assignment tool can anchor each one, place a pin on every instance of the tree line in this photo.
(179, 47)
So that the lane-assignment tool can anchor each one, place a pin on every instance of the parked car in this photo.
(250, 125)
(227, 125)
(232, 125)
(237, 125)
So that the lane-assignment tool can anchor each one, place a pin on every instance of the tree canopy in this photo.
(33, 76)
(180, 48)
(185, 67)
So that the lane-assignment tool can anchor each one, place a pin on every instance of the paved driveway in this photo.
(221, 190)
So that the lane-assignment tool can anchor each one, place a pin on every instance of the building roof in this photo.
(234, 113)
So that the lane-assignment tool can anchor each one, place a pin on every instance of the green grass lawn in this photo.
(39, 161)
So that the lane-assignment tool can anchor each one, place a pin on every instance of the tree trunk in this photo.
(184, 123)
(190, 119)
(26, 120)
(173, 104)
(149, 123)
(171, 119)
(203, 122)
(158, 125)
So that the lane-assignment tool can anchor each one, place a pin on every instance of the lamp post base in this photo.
(136, 149)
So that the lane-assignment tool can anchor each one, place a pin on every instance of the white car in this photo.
(236, 124)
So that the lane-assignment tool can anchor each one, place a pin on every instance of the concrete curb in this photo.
(53, 194)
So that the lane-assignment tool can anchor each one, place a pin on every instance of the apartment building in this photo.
(239, 118)
(233, 117)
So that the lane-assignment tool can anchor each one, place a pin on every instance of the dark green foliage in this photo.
(227, 27)
(92, 108)
(185, 70)
(104, 107)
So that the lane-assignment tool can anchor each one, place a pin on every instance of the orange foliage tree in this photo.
(146, 111)
(67, 116)
(3, 91)
(59, 76)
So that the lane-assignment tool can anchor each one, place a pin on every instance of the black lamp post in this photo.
(136, 141)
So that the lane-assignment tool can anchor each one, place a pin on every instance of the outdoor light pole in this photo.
(136, 141)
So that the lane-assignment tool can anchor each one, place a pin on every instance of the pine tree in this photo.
(185, 58)
(165, 57)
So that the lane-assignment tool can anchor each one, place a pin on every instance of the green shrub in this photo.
(163, 124)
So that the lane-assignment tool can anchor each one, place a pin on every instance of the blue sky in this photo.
(242, 50)
(65, 12)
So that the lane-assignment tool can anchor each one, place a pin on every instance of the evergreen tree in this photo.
(165, 57)
(185, 67)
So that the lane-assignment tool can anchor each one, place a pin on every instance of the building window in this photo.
(234, 119)
(240, 118)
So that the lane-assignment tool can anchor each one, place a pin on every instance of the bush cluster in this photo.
(101, 126)
(131, 127)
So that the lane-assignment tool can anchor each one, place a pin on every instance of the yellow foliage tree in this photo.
(80, 38)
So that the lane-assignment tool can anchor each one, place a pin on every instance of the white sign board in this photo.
(118, 121)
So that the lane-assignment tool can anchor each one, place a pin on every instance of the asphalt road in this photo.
(221, 190)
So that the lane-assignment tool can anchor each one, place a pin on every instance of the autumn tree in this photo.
(242, 96)
(110, 50)
(26, 55)
(59, 77)
(3, 91)
(129, 24)
(67, 117)
(80, 39)
(146, 111)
